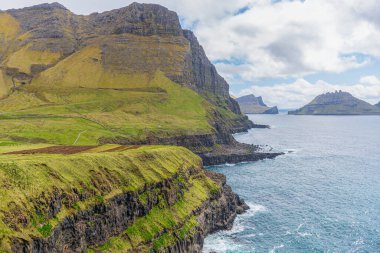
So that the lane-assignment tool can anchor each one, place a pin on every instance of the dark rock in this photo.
(260, 126)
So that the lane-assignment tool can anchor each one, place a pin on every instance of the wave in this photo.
(276, 248)
(220, 244)
(239, 224)
(225, 241)
(254, 209)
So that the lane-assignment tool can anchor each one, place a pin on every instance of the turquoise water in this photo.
(322, 196)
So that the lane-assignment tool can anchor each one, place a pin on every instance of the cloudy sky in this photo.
(286, 51)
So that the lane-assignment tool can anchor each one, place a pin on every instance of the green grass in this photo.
(57, 115)
(28, 178)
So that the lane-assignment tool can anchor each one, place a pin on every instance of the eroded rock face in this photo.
(138, 19)
(96, 225)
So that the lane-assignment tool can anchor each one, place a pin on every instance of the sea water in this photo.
(323, 195)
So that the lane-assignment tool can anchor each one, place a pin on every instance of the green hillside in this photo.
(58, 114)
(63, 83)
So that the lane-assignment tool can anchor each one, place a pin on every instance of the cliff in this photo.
(255, 105)
(110, 199)
(337, 103)
(130, 75)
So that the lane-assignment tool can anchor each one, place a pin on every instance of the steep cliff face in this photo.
(337, 103)
(205, 79)
(130, 74)
(111, 199)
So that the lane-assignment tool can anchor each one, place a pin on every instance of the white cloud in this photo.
(301, 92)
(290, 38)
(294, 38)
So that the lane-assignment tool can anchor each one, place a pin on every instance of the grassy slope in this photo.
(58, 115)
(24, 58)
(80, 94)
(28, 177)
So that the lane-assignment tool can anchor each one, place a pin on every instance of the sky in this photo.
(287, 51)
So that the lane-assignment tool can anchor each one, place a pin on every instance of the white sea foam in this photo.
(276, 248)
(225, 241)
(302, 234)
(292, 151)
(239, 224)
(254, 209)
(220, 244)
(299, 226)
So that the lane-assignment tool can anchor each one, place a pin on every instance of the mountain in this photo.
(255, 105)
(126, 76)
(337, 103)
(81, 97)
(378, 104)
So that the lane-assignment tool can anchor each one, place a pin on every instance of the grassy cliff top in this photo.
(31, 178)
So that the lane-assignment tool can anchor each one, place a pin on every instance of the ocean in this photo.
(323, 195)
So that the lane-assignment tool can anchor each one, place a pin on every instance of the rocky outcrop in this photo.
(255, 105)
(337, 103)
(233, 154)
(213, 149)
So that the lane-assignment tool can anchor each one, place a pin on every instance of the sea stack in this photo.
(251, 104)
(337, 103)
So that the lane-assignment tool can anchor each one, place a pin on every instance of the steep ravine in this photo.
(137, 200)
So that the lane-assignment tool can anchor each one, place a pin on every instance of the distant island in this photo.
(337, 103)
(251, 104)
